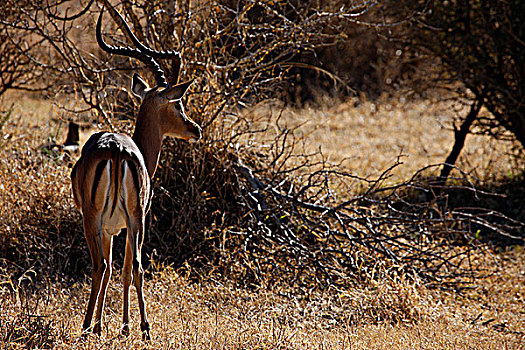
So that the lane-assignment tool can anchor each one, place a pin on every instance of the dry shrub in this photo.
(22, 326)
(42, 233)
(293, 222)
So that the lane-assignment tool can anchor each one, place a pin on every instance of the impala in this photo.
(112, 179)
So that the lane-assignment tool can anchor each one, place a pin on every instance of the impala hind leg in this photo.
(136, 236)
(107, 243)
(92, 231)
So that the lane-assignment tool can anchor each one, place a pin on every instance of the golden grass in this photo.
(367, 137)
(39, 310)
(189, 315)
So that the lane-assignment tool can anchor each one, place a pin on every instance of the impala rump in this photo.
(117, 183)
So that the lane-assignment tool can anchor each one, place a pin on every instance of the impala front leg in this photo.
(136, 236)
(126, 281)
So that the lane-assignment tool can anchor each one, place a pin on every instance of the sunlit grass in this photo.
(368, 137)
(207, 314)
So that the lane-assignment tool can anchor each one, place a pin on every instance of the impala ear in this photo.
(176, 92)
(138, 86)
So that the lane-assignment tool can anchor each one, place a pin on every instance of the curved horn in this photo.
(174, 55)
(141, 46)
(129, 52)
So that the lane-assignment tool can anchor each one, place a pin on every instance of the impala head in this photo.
(162, 103)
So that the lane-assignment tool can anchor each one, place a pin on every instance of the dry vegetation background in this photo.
(238, 254)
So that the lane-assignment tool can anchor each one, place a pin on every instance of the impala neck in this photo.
(148, 137)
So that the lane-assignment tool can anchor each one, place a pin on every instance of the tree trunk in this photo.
(459, 135)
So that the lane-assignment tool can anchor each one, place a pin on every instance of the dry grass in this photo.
(43, 309)
(367, 137)
(188, 315)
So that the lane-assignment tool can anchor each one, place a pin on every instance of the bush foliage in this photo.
(480, 44)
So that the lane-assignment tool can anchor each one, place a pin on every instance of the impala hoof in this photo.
(125, 331)
(145, 331)
(145, 336)
(97, 329)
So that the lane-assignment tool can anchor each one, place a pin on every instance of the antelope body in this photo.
(111, 181)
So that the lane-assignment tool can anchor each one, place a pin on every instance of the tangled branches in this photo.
(311, 225)
(371, 235)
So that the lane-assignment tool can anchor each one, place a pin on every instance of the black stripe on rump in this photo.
(98, 174)
(136, 181)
